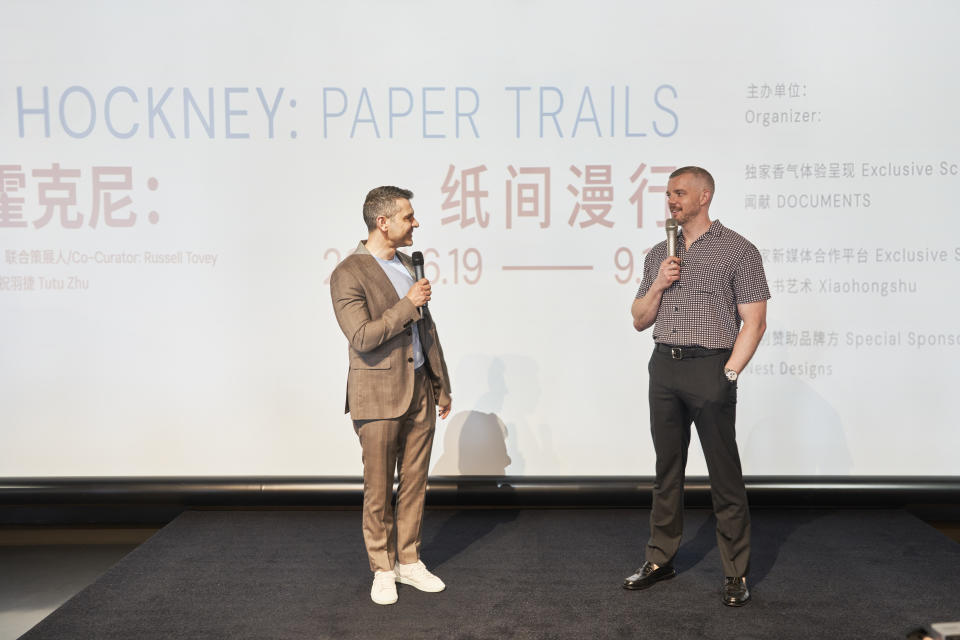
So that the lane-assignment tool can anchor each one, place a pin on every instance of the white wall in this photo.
(229, 361)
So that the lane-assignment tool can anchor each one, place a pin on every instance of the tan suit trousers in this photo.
(402, 445)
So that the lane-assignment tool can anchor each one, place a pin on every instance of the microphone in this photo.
(417, 258)
(671, 226)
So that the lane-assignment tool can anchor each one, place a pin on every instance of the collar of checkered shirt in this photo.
(715, 229)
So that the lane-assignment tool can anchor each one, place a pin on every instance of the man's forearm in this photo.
(746, 345)
(644, 310)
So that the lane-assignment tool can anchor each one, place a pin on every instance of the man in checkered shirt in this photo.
(708, 309)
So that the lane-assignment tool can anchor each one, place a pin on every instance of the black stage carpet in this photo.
(519, 574)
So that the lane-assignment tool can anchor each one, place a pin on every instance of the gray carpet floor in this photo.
(518, 574)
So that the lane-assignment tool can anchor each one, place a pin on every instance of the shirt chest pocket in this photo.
(714, 282)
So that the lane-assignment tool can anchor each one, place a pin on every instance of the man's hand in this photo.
(644, 310)
(443, 412)
(419, 293)
(668, 274)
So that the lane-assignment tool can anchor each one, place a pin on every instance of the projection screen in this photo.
(179, 179)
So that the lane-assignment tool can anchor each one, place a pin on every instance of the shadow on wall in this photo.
(797, 424)
(474, 445)
(478, 442)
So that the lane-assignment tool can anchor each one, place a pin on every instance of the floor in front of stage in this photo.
(518, 573)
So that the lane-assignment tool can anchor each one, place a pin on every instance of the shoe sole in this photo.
(418, 587)
(672, 574)
(384, 602)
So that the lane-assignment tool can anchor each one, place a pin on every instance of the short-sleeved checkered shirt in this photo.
(720, 270)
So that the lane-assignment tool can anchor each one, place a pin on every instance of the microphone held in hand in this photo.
(417, 258)
(671, 238)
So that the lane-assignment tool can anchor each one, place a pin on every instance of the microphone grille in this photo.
(671, 224)
(417, 258)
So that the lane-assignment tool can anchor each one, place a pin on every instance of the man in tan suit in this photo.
(397, 376)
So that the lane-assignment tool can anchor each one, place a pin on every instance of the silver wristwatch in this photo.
(731, 375)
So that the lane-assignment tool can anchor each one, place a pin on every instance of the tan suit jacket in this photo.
(377, 323)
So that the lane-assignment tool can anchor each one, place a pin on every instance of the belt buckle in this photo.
(676, 353)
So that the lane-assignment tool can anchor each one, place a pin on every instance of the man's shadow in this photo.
(474, 446)
(462, 529)
(475, 441)
(769, 531)
(795, 430)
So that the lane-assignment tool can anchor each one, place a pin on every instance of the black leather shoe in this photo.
(648, 575)
(735, 592)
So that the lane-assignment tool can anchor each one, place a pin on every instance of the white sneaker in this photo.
(384, 589)
(416, 575)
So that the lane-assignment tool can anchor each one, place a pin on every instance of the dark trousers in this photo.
(696, 390)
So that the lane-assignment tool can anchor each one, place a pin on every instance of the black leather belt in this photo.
(680, 353)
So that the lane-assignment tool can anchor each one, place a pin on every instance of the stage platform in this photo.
(518, 573)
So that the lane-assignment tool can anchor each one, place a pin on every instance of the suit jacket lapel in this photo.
(407, 261)
(376, 272)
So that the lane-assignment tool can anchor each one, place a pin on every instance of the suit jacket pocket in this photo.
(378, 358)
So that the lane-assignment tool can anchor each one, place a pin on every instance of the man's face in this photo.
(686, 197)
(401, 224)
